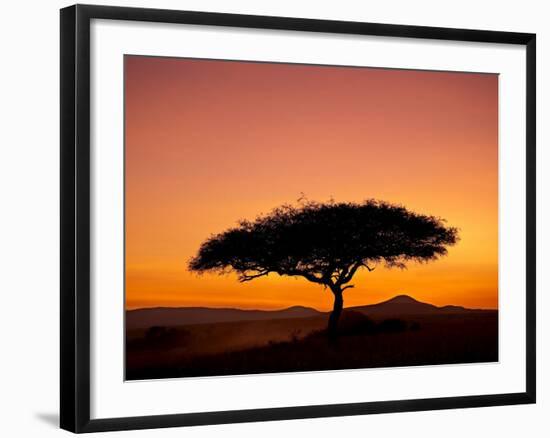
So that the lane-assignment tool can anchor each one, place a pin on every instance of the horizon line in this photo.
(252, 309)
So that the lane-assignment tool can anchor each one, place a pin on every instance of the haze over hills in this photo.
(172, 316)
(400, 305)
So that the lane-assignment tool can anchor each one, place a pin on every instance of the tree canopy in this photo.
(325, 243)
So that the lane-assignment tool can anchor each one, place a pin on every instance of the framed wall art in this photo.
(269, 218)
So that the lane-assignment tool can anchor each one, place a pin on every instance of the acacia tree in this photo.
(325, 243)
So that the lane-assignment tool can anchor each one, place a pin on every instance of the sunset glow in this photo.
(208, 143)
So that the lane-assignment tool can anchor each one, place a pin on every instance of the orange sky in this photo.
(212, 142)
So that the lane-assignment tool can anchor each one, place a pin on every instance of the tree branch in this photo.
(244, 277)
(307, 275)
(310, 277)
(351, 272)
(341, 275)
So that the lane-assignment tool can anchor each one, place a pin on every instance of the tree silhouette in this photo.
(325, 243)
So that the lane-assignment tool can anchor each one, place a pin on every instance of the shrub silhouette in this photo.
(355, 323)
(392, 325)
(325, 243)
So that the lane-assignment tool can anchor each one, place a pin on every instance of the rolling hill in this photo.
(398, 306)
(401, 305)
(174, 316)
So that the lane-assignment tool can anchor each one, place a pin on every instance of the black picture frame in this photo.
(75, 217)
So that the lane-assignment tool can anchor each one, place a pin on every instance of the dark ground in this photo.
(300, 344)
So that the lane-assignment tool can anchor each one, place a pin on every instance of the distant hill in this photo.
(405, 305)
(171, 316)
(398, 306)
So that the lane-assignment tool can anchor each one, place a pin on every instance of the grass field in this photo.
(301, 344)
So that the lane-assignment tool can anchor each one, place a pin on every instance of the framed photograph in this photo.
(268, 218)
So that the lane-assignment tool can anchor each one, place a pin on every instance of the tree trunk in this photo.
(336, 312)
